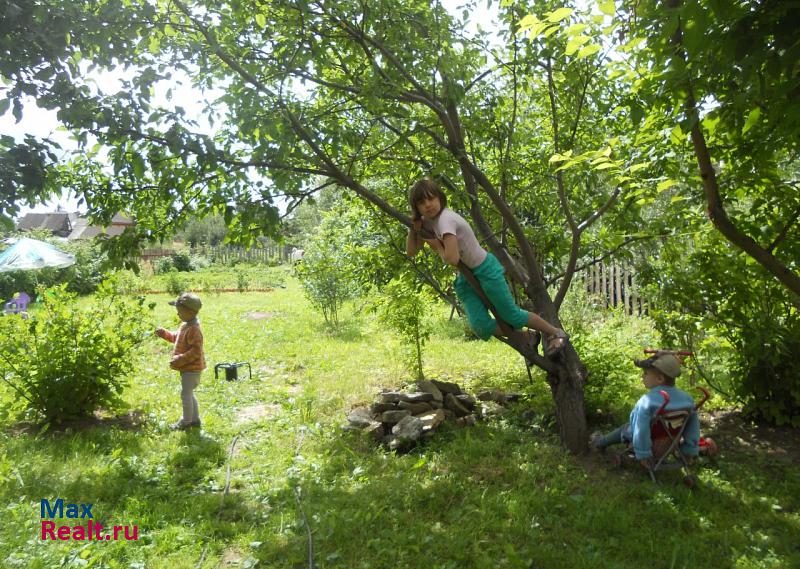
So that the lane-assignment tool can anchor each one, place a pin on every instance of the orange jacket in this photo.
(188, 353)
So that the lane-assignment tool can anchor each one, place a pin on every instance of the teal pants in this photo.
(491, 276)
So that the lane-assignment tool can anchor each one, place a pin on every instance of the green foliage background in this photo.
(67, 361)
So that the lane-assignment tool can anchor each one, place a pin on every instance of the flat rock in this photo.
(447, 387)
(499, 396)
(378, 408)
(397, 396)
(408, 429)
(394, 416)
(454, 405)
(418, 397)
(492, 409)
(429, 387)
(415, 408)
(376, 431)
(360, 417)
(392, 397)
(466, 421)
(466, 400)
(431, 420)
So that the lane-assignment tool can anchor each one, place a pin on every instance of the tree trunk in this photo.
(567, 388)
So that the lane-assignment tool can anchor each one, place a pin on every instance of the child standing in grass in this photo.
(455, 241)
(658, 374)
(187, 357)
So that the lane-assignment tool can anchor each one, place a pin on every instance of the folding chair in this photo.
(666, 434)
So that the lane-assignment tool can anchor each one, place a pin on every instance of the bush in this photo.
(176, 283)
(607, 341)
(405, 309)
(199, 262)
(125, 282)
(87, 273)
(182, 262)
(327, 273)
(714, 300)
(67, 362)
(163, 266)
(242, 281)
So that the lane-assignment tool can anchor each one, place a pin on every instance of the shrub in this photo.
(88, 271)
(125, 282)
(199, 262)
(163, 266)
(65, 361)
(327, 273)
(607, 341)
(325, 285)
(242, 281)
(176, 283)
(182, 262)
(709, 297)
(405, 309)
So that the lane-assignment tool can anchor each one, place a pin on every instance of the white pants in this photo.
(189, 382)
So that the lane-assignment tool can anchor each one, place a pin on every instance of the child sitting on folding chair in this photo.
(658, 374)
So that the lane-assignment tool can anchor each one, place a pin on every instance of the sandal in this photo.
(554, 346)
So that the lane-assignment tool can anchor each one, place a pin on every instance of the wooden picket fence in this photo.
(616, 286)
(270, 252)
(225, 254)
(158, 253)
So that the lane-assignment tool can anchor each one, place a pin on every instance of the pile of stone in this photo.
(399, 420)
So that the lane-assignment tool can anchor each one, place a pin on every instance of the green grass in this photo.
(500, 494)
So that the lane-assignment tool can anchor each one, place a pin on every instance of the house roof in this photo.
(54, 222)
(73, 226)
(82, 229)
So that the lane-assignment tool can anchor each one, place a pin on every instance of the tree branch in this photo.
(716, 209)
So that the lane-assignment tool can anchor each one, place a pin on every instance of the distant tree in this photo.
(210, 231)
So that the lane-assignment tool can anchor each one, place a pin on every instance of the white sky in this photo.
(42, 123)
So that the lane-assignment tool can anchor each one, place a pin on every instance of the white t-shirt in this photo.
(469, 249)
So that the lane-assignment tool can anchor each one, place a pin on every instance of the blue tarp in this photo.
(28, 254)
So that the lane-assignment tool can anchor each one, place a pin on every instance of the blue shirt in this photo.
(645, 411)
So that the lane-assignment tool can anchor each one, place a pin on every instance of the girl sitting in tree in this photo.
(455, 241)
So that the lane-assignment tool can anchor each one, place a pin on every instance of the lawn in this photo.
(273, 465)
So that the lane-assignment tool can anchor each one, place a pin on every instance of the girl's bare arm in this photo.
(449, 251)
(413, 243)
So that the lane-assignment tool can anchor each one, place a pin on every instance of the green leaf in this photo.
(550, 31)
(575, 43)
(138, 165)
(261, 20)
(666, 184)
(677, 136)
(528, 22)
(588, 50)
(608, 8)
(560, 14)
(605, 166)
(752, 119)
(575, 29)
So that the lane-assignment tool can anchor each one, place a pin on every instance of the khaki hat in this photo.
(667, 364)
(188, 300)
